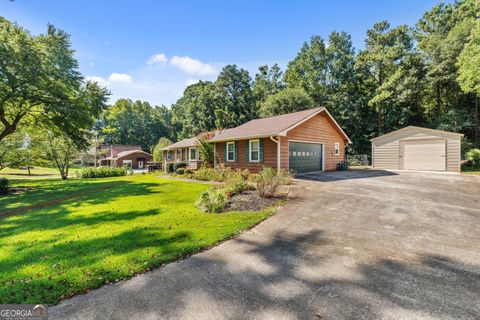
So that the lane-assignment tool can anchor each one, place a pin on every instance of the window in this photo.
(179, 155)
(169, 155)
(254, 150)
(337, 148)
(230, 151)
(193, 154)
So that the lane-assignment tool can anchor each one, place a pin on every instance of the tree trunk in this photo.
(29, 173)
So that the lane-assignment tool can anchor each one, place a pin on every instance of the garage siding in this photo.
(386, 150)
(318, 129)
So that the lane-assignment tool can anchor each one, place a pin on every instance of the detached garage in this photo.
(416, 148)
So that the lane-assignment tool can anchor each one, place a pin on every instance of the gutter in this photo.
(277, 141)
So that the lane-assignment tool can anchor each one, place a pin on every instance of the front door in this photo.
(305, 156)
(140, 164)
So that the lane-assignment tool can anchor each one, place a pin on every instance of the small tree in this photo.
(157, 152)
(60, 150)
(205, 149)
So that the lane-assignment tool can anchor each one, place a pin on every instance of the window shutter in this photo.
(225, 151)
(261, 149)
(248, 151)
(236, 150)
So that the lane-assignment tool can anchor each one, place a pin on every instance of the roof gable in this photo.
(415, 129)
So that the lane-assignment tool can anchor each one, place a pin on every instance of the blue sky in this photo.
(151, 50)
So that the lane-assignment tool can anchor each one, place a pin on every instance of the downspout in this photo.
(277, 141)
(214, 154)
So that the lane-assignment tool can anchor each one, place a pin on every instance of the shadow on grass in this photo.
(76, 266)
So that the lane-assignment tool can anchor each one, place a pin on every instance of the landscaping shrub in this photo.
(220, 174)
(268, 181)
(238, 185)
(180, 171)
(170, 167)
(102, 172)
(474, 157)
(178, 165)
(213, 200)
(188, 171)
(4, 185)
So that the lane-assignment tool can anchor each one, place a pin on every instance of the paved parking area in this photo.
(348, 245)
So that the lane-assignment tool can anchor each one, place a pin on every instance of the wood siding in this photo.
(135, 157)
(270, 156)
(318, 129)
(386, 151)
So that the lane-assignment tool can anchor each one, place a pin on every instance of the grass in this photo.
(138, 223)
(471, 170)
(36, 173)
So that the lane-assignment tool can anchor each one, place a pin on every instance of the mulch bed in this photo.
(251, 201)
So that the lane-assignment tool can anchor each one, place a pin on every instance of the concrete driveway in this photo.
(349, 245)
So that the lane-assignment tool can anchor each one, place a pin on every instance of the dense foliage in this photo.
(102, 172)
(426, 75)
(4, 185)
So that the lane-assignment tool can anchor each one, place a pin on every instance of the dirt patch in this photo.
(251, 201)
(19, 189)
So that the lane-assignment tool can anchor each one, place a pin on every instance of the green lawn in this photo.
(470, 170)
(36, 173)
(139, 222)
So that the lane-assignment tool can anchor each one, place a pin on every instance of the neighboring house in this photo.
(183, 151)
(120, 155)
(305, 141)
(416, 148)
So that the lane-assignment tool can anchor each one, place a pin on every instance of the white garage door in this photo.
(423, 154)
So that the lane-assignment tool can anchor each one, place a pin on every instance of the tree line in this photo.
(426, 75)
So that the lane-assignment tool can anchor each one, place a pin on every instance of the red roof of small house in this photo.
(271, 126)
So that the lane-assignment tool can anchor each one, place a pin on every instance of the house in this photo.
(416, 148)
(120, 155)
(304, 141)
(183, 151)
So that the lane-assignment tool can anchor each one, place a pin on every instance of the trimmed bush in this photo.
(170, 167)
(4, 185)
(178, 165)
(220, 174)
(474, 157)
(180, 171)
(268, 181)
(188, 171)
(213, 200)
(102, 172)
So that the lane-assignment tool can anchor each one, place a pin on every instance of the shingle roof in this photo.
(265, 126)
(185, 143)
(258, 128)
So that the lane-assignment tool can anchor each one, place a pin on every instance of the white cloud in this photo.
(159, 58)
(192, 66)
(191, 81)
(114, 78)
(120, 78)
(101, 81)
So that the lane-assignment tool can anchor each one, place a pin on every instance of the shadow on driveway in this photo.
(329, 176)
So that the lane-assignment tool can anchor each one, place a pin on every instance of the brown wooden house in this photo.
(304, 141)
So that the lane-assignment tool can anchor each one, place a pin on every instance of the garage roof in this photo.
(415, 128)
